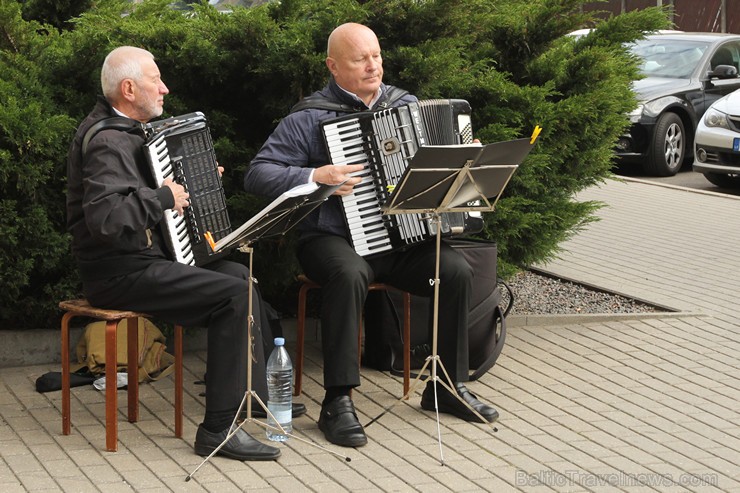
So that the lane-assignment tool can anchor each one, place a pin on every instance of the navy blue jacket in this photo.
(295, 147)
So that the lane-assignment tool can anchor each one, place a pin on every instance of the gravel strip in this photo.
(536, 294)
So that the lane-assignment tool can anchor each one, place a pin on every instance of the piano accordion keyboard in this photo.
(385, 141)
(183, 151)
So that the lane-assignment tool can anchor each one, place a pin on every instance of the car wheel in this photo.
(723, 181)
(668, 149)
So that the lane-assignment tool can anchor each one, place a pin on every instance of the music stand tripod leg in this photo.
(434, 359)
(250, 393)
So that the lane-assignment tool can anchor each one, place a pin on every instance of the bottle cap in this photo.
(279, 341)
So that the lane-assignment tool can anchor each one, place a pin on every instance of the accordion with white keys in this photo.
(181, 148)
(385, 141)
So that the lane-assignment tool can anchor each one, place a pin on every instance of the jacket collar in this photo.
(344, 97)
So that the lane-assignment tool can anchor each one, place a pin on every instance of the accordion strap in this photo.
(112, 122)
(319, 102)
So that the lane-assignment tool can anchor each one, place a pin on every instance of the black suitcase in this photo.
(486, 324)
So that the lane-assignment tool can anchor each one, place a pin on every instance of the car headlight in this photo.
(635, 114)
(715, 118)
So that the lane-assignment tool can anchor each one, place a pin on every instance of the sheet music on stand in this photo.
(452, 177)
(279, 216)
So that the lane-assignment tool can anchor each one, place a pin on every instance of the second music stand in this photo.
(274, 220)
(443, 179)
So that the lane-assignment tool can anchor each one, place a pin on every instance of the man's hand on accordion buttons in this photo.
(334, 175)
(181, 196)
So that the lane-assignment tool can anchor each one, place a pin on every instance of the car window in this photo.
(669, 57)
(727, 54)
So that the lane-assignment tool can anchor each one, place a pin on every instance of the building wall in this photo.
(688, 15)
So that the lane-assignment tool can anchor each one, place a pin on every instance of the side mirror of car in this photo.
(723, 72)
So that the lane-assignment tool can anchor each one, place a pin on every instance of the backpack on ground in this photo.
(153, 361)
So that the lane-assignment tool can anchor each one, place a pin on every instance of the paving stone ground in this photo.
(638, 403)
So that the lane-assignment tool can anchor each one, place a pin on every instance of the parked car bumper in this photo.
(634, 145)
(717, 151)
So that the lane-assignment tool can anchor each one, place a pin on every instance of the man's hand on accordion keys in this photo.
(182, 198)
(331, 174)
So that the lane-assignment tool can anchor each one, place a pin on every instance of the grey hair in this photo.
(122, 63)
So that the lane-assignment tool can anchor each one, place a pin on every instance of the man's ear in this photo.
(331, 64)
(128, 89)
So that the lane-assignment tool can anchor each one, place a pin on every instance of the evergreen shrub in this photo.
(510, 58)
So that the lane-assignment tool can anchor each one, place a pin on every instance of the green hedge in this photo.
(245, 69)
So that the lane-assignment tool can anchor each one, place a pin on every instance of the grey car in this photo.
(684, 74)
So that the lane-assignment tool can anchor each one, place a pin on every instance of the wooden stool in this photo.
(307, 285)
(81, 308)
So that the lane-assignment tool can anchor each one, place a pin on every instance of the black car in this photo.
(684, 74)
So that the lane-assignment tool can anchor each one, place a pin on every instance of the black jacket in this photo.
(113, 205)
(297, 146)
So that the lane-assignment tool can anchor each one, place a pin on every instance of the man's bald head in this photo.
(354, 60)
(347, 34)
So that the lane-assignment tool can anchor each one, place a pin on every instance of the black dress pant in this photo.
(215, 296)
(344, 277)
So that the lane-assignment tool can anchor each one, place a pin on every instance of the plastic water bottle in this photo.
(279, 391)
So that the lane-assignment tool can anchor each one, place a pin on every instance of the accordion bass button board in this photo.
(385, 141)
(181, 148)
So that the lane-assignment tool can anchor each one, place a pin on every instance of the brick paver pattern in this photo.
(638, 404)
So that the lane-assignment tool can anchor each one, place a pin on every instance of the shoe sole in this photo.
(429, 406)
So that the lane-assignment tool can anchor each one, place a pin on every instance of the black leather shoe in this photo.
(258, 412)
(240, 447)
(338, 421)
(448, 403)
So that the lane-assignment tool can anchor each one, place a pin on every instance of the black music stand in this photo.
(443, 179)
(274, 220)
